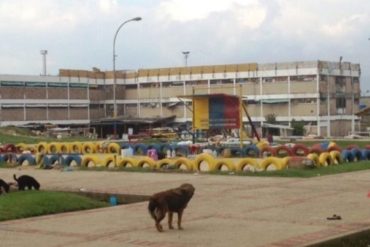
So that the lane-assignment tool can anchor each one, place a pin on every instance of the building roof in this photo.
(363, 112)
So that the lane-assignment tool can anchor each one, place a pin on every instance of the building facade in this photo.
(324, 95)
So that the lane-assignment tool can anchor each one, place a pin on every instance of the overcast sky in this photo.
(78, 34)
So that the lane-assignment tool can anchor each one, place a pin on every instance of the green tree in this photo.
(298, 127)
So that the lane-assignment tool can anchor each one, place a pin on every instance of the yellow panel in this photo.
(201, 113)
(231, 68)
(174, 71)
(164, 72)
(207, 69)
(219, 68)
(185, 70)
(196, 69)
(153, 72)
(143, 73)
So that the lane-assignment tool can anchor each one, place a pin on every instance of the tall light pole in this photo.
(186, 55)
(44, 53)
(114, 65)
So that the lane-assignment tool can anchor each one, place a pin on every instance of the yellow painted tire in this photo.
(336, 157)
(88, 148)
(273, 163)
(164, 163)
(325, 159)
(110, 161)
(64, 148)
(42, 147)
(53, 148)
(21, 147)
(98, 147)
(114, 148)
(90, 161)
(39, 158)
(247, 164)
(127, 162)
(224, 163)
(75, 147)
(315, 158)
(146, 162)
(184, 162)
(208, 159)
(262, 144)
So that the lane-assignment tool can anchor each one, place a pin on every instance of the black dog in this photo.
(26, 181)
(171, 201)
(4, 187)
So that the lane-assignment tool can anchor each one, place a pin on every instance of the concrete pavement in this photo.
(225, 211)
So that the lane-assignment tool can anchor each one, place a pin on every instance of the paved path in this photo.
(225, 211)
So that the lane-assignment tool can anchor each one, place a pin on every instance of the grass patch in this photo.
(25, 204)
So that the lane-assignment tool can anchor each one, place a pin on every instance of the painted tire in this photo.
(42, 147)
(357, 155)
(9, 148)
(347, 156)
(300, 150)
(26, 157)
(335, 156)
(164, 148)
(267, 151)
(165, 163)
(114, 148)
(273, 163)
(53, 148)
(110, 161)
(325, 159)
(64, 148)
(334, 148)
(316, 150)
(50, 160)
(315, 158)
(224, 163)
(88, 148)
(200, 159)
(283, 151)
(75, 148)
(365, 154)
(140, 149)
(10, 157)
(72, 160)
(247, 164)
(146, 162)
(181, 150)
(22, 147)
(127, 162)
(90, 161)
(251, 151)
(352, 146)
(39, 158)
(184, 162)
(262, 144)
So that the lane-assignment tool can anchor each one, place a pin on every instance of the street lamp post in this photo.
(114, 69)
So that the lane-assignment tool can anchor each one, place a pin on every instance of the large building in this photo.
(324, 95)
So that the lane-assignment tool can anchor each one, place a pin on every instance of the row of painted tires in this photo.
(202, 162)
(99, 147)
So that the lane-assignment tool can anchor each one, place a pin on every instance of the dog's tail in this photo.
(15, 178)
(151, 207)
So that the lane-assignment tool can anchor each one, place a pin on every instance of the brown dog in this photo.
(171, 201)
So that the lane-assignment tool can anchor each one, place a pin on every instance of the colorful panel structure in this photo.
(216, 111)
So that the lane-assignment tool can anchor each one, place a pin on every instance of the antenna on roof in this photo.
(43, 53)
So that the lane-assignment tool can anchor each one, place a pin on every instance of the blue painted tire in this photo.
(140, 149)
(26, 157)
(347, 156)
(181, 150)
(357, 155)
(68, 160)
(126, 146)
(365, 154)
(50, 160)
(251, 151)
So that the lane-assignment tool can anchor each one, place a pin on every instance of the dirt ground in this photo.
(225, 210)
